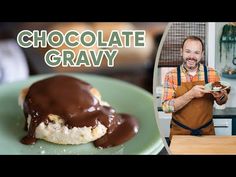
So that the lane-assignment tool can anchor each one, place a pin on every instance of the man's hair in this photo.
(194, 38)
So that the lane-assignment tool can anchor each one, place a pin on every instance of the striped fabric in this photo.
(171, 83)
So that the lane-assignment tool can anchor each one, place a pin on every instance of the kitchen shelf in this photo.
(229, 76)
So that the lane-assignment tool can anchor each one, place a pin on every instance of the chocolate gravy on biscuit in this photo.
(71, 99)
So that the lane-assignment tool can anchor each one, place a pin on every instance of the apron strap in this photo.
(179, 75)
(205, 74)
(195, 132)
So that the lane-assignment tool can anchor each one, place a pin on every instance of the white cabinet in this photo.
(164, 123)
(223, 126)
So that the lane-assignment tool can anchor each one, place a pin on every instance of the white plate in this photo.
(208, 86)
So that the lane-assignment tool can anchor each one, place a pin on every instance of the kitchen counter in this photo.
(229, 112)
(186, 144)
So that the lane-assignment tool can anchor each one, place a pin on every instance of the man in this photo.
(184, 95)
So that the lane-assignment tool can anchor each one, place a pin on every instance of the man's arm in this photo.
(181, 101)
(178, 103)
(222, 96)
(196, 92)
(168, 92)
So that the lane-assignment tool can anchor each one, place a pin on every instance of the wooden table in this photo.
(186, 144)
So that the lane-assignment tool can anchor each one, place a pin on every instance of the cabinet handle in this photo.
(221, 126)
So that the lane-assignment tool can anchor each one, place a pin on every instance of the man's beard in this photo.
(191, 67)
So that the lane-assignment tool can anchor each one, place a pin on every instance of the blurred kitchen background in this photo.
(220, 53)
(134, 65)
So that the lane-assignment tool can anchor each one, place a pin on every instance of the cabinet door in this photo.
(223, 127)
(164, 123)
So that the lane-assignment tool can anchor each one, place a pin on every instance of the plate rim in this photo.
(210, 83)
(151, 148)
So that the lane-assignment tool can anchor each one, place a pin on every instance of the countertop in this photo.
(229, 112)
(186, 144)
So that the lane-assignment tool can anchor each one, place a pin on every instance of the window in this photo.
(178, 31)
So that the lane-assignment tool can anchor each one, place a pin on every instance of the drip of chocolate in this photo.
(71, 99)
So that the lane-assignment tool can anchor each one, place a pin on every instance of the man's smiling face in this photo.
(192, 53)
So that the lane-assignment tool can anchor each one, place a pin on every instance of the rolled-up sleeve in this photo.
(168, 94)
(213, 75)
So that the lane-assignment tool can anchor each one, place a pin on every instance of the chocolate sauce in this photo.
(218, 84)
(71, 99)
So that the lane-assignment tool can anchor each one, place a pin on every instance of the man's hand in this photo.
(220, 96)
(198, 91)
